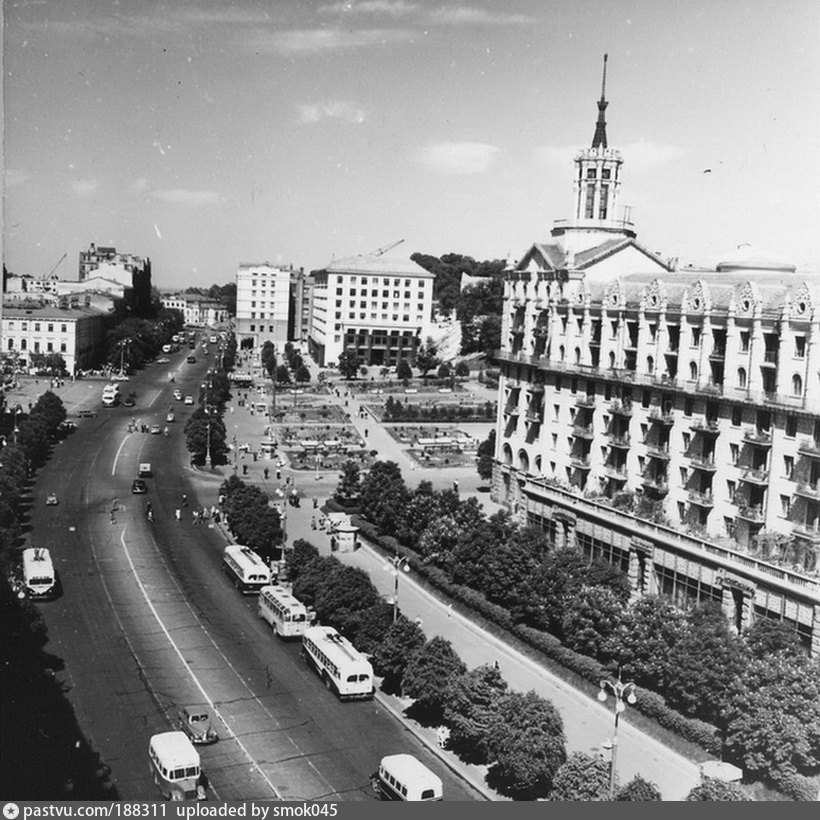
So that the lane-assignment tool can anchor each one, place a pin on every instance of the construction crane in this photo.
(57, 265)
(386, 248)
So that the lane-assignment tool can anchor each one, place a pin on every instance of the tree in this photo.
(639, 790)
(469, 708)
(444, 370)
(404, 371)
(462, 370)
(766, 637)
(390, 658)
(384, 496)
(486, 453)
(581, 778)
(349, 364)
(489, 335)
(590, 618)
(427, 676)
(302, 374)
(373, 625)
(204, 433)
(526, 741)
(711, 789)
(50, 408)
(282, 374)
(346, 592)
(427, 357)
(347, 492)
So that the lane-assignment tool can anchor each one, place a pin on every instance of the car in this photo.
(156, 430)
(191, 360)
(163, 360)
(145, 470)
(196, 723)
(86, 414)
(178, 395)
(52, 500)
(191, 345)
(67, 426)
(214, 340)
(119, 377)
(129, 402)
(170, 416)
(189, 400)
(139, 486)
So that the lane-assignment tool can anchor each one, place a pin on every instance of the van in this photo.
(166, 348)
(404, 777)
(144, 470)
(175, 766)
(111, 395)
(39, 578)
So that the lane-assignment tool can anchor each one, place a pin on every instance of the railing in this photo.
(615, 473)
(809, 447)
(585, 401)
(621, 408)
(755, 476)
(580, 462)
(708, 426)
(535, 416)
(619, 440)
(656, 484)
(810, 530)
(702, 462)
(658, 451)
(582, 432)
(808, 489)
(703, 499)
(511, 409)
(662, 416)
(753, 436)
(751, 513)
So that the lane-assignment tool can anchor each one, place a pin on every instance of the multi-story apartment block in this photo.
(76, 334)
(127, 269)
(264, 304)
(690, 397)
(196, 310)
(379, 306)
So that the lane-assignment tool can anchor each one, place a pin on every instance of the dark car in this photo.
(191, 360)
(86, 414)
(196, 723)
(139, 486)
(129, 402)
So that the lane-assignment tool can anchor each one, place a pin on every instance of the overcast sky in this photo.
(207, 133)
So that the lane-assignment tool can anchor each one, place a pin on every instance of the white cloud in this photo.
(468, 15)
(140, 184)
(181, 196)
(459, 157)
(15, 177)
(331, 109)
(393, 8)
(85, 187)
(313, 41)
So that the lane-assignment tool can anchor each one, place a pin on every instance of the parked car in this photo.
(170, 416)
(189, 400)
(191, 360)
(128, 402)
(156, 430)
(52, 500)
(67, 426)
(119, 377)
(139, 486)
(163, 360)
(196, 723)
(178, 395)
(86, 414)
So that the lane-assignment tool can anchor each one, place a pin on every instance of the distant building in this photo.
(76, 334)
(264, 304)
(197, 310)
(695, 391)
(379, 306)
(302, 295)
(127, 269)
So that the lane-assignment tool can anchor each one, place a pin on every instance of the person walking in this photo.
(178, 514)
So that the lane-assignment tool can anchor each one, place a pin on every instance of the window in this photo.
(687, 440)
(734, 453)
(797, 385)
(791, 426)
(696, 334)
(731, 486)
(554, 445)
(688, 406)
(744, 341)
(737, 416)
(799, 347)
(693, 371)
(741, 377)
(684, 476)
(50, 327)
(49, 347)
(556, 412)
(591, 174)
(785, 505)
(788, 466)
(36, 327)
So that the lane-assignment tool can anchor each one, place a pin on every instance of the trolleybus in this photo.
(287, 616)
(403, 777)
(246, 569)
(39, 578)
(343, 669)
(175, 766)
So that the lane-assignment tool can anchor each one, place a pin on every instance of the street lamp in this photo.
(398, 564)
(123, 344)
(624, 693)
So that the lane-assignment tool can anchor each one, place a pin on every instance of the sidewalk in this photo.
(588, 724)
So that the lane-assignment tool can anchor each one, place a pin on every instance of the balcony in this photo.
(615, 473)
(658, 416)
(809, 490)
(703, 498)
(752, 475)
(809, 530)
(658, 451)
(580, 462)
(770, 358)
(536, 388)
(535, 415)
(585, 401)
(658, 486)
(718, 352)
(809, 447)
(758, 437)
(621, 408)
(517, 329)
(622, 441)
(701, 462)
(706, 426)
(751, 513)
(579, 431)
(511, 409)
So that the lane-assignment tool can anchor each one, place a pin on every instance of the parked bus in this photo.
(175, 766)
(343, 669)
(110, 395)
(287, 616)
(403, 777)
(247, 570)
(39, 578)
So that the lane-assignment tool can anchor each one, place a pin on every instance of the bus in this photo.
(110, 395)
(403, 777)
(344, 670)
(175, 766)
(39, 578)
(287, 616)
(248, 571)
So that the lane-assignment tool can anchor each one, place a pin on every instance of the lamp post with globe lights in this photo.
(624, 693)
(397, 565)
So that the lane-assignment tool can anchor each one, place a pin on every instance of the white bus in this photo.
(287, 615)
(343, 669)
(403, 777)
(110, 395)
(247, 570)
(39, 578)
(175, 766)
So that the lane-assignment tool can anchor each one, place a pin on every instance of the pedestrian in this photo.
(449, 610)
(195, 516)
(266, 471)
(178, 514)
(184, 500)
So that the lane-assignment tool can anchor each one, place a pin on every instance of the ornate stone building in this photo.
(665, 419)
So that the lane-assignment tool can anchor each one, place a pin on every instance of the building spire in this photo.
(599, 139)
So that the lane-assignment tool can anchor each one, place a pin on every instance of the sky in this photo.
(204, 134)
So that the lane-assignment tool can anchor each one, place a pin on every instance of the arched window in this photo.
(611, 360)
(23, 344)
(741, 377)
(650, 365)
(508, 457)
(524, 461)
(577, 355)
(561, 353)
(538, 463)
(693, 371)
(11, 344)
(797, 385)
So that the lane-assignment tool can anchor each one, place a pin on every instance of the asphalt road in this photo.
(147, 623)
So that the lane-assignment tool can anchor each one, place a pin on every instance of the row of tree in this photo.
(395, 411)
(759, 689)
(252, 520)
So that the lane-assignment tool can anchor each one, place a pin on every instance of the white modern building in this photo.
(264, 311)
(379, 306)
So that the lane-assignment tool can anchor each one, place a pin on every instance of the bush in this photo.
(797, 786)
